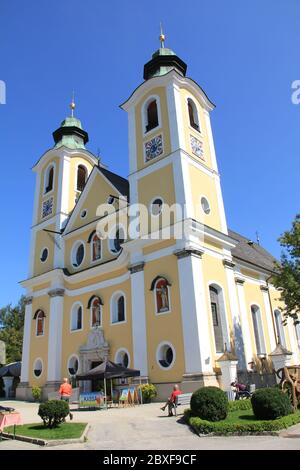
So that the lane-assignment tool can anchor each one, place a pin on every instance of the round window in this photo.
(205, 205)
(165, 355)
(38, 368)
(156, 206)
(73, 365)
(78, 254)
(44, 255)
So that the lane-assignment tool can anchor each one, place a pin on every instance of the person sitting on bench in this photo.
(171, 400)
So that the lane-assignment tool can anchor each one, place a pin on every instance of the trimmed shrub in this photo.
(53, 412)
(270, 403)
(209, 403)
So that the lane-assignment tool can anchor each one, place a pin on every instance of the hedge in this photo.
(222, 428)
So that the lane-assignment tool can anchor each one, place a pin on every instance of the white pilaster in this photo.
(63, 194)
(196, 338)
(215, 167)
(139, 337)
(26, 340)
(244, 322)
(293, 340)
(175, 117)
(55, 334)
(269, 315)
(234, 308)
(132, 141)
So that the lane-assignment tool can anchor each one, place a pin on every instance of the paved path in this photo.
(146, 427)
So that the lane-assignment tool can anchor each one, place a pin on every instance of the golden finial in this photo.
(162, 37)
(72, 105)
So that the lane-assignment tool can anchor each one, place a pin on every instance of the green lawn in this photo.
(38, 431)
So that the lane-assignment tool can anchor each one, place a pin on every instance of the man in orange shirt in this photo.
(171, 399)
(65, 391)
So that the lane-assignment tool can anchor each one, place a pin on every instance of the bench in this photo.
(182, 399)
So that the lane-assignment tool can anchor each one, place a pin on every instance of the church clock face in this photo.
(47, 207)
(153, 148)
(197, 147)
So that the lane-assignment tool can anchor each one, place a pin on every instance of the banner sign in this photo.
(90, 399)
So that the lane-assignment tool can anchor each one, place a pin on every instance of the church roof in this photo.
(120, 183)
(251, 252)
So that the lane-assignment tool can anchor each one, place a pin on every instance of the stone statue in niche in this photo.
(162, 296)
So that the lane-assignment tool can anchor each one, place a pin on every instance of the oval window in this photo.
(165, 355)
(78, 255)
(44, 255)
(73, 365)
(38, 368)
(205, 205)
(156, 206)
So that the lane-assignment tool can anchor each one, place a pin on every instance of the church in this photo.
(168, 305)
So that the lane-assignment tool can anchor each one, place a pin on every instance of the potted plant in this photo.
(36, 393)
(148, 392)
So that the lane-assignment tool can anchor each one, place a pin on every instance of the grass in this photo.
(241, 421)
(38, 431)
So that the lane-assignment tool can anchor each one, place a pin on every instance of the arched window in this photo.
(49, 179)
(152, 116)
(40, 322)
(118, 308)
(76, 317)
(279, 328)
(258, 330)
(81, 177)
(96, 312)
(96, 248)
(193, 115)
(160, 286)
(216, 318)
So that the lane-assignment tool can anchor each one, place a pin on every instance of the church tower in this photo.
(61, 176)
(171, 149)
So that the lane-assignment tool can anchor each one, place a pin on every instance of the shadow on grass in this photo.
(248, 418)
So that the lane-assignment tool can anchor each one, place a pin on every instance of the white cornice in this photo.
(64, 151)
(58, 276)
(163, 80)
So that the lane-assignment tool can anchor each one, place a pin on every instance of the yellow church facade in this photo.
(165, 304)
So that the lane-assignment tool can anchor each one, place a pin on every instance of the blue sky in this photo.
(244, 54)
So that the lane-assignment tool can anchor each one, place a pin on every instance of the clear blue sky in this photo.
(244, 54)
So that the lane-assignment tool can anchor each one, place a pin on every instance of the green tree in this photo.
(287, 277)
(11, 332)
